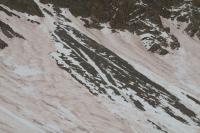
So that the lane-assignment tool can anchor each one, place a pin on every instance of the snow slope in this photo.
(37, 96)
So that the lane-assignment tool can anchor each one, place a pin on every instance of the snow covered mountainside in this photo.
(64, 69)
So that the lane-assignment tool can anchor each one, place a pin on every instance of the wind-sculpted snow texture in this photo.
(61, 73)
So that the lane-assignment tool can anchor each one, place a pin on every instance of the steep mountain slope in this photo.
(129, 89)
(138, 16)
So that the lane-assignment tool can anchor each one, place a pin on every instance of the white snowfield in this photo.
(36, 96)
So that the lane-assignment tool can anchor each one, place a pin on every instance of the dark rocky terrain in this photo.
(25, 6)
(142, 17)
(3, 44)
(139, 16)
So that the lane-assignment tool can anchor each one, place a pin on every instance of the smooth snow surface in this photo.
(26, 71)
